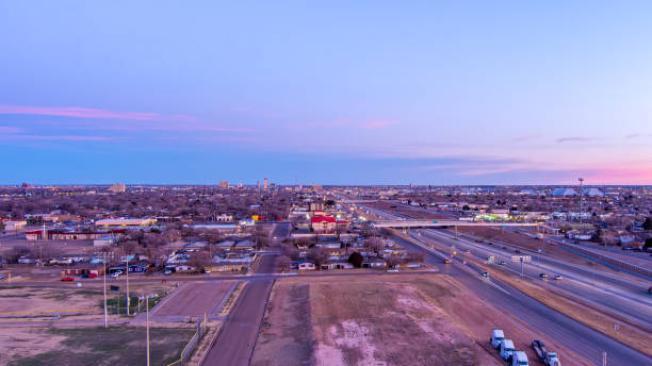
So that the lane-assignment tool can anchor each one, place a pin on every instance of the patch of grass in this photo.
(112, 346)
(5, 296)
(118, 304)
(13, 287)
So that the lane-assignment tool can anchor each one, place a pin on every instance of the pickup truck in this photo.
(548, 358)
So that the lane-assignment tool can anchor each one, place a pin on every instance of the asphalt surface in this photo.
(587, 342)
(235, 344)
(602, 292)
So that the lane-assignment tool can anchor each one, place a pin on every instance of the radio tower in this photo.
(581, 180)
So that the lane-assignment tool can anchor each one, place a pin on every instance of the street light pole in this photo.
(127, 269)
(106, 310)
(147, 325)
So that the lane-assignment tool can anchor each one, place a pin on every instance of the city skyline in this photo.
(366, 93)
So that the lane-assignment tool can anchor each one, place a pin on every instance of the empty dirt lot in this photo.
(383, 320)
(195, 299)
(90, 346)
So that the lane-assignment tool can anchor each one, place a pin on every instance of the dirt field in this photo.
(34, 301)
(286, 337)
(371, 321)
(381, 320)
(23, 301)
(90, 346)
(194, 299)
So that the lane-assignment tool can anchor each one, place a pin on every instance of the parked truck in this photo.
(548, 358)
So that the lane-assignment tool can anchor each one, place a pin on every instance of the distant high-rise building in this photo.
(265, 183)
(118, 188)
(224, 184)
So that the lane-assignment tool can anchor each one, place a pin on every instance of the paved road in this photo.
(236, 342)
(634, 307)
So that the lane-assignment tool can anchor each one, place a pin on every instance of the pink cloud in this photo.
(617, 175)
(90, 113)
(75, 138)
(369, 124)
(123, 121)
(376, 124)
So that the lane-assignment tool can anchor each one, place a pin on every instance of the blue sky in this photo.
(444, 92)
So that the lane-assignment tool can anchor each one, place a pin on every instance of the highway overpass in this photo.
(413, 223)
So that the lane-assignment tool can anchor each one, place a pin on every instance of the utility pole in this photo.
(604, 358)
(147, 325)
(127, 269)
(581, 180)
(106, 310)
(522, 265)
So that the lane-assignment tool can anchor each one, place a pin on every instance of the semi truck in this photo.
(548, 358)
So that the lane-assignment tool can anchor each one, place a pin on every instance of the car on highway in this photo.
(447, 261)
(117, 274)
(543, 276)
(507, 349)
(558, 277)
(502, 263)
(467, 250)
(485, 274)
(497, 337)
(519, 358)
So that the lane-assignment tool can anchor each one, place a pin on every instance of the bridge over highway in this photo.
(413, 223)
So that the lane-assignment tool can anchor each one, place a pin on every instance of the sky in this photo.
(330, 92)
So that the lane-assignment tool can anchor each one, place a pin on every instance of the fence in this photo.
(192, 344)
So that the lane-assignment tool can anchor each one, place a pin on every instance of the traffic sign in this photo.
(521, 258)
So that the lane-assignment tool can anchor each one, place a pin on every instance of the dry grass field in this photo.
(386, 320)
(90, 346)
(369, 321)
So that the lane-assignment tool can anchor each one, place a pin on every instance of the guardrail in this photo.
(192, 344)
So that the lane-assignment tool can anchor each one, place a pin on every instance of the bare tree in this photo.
(283, 263)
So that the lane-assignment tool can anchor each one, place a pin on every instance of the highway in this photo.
(616, 293)
(585, 341)
(629, 302)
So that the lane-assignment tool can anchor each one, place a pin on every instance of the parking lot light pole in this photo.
(106, 310)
